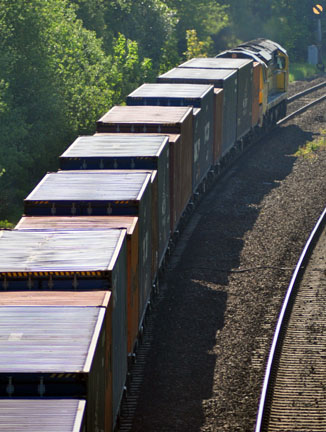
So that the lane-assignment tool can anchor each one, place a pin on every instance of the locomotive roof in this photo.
(116, 146)
(261, 44)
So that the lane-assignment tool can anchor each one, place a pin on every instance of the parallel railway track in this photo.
(307, 104)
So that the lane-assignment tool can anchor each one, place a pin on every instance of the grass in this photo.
(299, 71)
(310, 148)
(4, 224)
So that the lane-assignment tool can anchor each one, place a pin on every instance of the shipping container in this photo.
(244, 68)
(42, 415)
(60, 352)
(218, 125)
(137, 151)
(226, 114)
(257, 97)
(72, 260)
(201, 98)
(100, 193)
(88, 223)
(175, 121)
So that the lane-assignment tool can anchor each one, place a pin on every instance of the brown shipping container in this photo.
(218, 125)
(79, 223)
(42, 415)
(44, 318)
(161, 120)
(155, 224)
(101, 193)
(257, 71)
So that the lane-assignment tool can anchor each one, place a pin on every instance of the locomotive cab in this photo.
(275, 75)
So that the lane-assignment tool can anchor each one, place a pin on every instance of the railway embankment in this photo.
(212, 326)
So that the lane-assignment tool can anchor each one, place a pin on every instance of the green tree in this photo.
(128, 71)
(207, 17)
(196, 48)
(54, 81)
(151, 23)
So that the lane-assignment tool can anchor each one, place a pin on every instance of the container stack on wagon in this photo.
(201, 98)
(243, 86)
(66, 261)
(135, 152)
(100, 193)
(80, 265)
(98, 223)
(171, 120)
(225, 107)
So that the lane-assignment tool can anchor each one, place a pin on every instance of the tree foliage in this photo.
(65, 62)
(291, 23)
(196, 48)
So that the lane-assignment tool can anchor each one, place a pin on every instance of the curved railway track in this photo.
(137, 370)
(294, 391)
(308, 102)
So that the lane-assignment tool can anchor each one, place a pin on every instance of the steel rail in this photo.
(305, 92)
(301, 110)
(276, 343)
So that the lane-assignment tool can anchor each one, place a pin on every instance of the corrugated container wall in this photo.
(100, 193)
(136, 151)
(218, 125)
(256, 88)
(175, 121)
(198, 96)
(88, 223)
(244, 68)
(225, 116)
(42, 415)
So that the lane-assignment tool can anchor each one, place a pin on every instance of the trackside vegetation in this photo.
(63, 63)
(300, 71)
(309, 150)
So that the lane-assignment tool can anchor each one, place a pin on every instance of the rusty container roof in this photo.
(78, 223)
(55, 298)
(146, 114)
(59, 251)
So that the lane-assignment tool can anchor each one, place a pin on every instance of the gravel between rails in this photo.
(213, 327)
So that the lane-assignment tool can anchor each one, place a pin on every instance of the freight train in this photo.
(78, 270)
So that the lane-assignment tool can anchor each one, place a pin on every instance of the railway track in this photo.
(308, 102)
(294, 391)
(129, 404)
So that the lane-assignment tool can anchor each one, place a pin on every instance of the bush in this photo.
(299, 71)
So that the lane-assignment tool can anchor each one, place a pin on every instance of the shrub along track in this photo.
(216, 315)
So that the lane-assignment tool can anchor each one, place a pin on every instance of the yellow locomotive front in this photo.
(274, 76)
